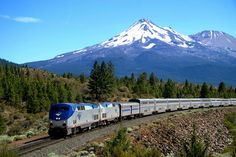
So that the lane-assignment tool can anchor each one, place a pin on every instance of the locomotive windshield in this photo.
(60, 108)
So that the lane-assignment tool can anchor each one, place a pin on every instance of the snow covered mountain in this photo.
(146, 47)
(216, 39)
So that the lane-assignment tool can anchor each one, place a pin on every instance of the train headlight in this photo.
(51, 125)
(64, 124)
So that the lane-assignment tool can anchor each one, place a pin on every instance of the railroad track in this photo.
(36, 145)
(40, 143)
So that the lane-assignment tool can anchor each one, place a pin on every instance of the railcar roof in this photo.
(127, 103)
(74, 104)
(70, 104)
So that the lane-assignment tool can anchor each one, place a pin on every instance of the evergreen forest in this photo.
(33, 90)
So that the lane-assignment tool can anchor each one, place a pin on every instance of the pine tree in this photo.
(101, 82)
(142, 84)
(204, 91)
(221, 88)
(169, 89)
(94, 81)
(52, 93)
(62, 93)
(154, 90)
(152, 80)
(82, 78)
(33, 104)
(132, 81)
(212, 92)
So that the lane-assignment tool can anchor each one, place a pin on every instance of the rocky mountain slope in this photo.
(169, 135)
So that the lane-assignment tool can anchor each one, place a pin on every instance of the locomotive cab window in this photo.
(62, 108)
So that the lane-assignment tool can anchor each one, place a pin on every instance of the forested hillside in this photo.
(34, 90)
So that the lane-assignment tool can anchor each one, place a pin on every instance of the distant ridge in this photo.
(6, 62)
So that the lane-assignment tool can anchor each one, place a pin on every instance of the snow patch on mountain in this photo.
(59, 56)
(151, 45)
(184, 37)
(82, 50)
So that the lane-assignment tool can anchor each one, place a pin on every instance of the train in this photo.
(70, 118)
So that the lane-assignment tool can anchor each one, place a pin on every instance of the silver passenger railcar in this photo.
(129, 109)
(69, 118)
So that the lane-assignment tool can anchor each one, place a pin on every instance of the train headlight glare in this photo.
(51, 125)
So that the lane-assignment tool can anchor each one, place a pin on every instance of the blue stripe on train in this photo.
(129, 109)
(125, 110)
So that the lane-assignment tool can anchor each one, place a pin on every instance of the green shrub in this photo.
(195, 148)
(120, 146)
(6, 139)
(19, 137)
(6, 152)
(30, 133)
(146, 152)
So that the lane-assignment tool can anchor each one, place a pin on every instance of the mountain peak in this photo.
(144, 20)
(146, 34)
(215, 39)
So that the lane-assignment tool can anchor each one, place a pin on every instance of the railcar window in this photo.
(80, 107)
(95, 117)
(104, 115)
(134, 100)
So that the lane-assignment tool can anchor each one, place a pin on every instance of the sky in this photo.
(33, 30)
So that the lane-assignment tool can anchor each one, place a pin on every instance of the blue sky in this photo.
(32, 30)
